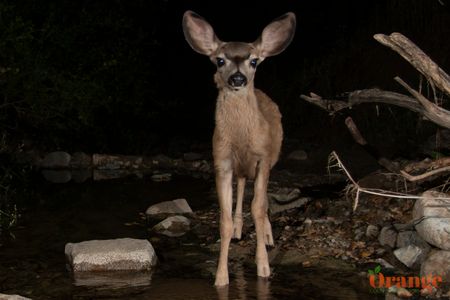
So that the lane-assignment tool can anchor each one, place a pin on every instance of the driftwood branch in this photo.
(426, 169)
(433, 112)
(417, 58)
(365, 96)
(420, 104)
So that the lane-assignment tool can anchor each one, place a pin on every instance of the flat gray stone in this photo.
(411, 256)
(123, 254)
(174, 226)
(175, 207)
(433, 216)
(56, 160)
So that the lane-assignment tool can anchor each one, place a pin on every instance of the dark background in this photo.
(118, 77)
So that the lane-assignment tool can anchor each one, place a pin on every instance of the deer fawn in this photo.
(248, 132)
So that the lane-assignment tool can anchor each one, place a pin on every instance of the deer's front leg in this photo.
(224, 177)
(262, 224)
(238, 221)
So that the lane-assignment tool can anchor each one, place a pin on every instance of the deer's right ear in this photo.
(199, 34)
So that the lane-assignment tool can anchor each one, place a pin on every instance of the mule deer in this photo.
(248, 132)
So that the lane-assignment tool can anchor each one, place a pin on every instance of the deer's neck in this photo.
(236, 109)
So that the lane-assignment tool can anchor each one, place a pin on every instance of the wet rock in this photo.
(81, 160)
(411, 256)
(192, 156)
(12, 297)
(56, 160)
(433, 211)
(438, 264)
(174, 207)
(372, 231)
(298, 155)
(388, 236)
(174, 226)
(116, 162)
(57, 176)
(111, 255)
(162, 177)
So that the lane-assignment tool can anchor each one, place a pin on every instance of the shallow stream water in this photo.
(33, 264)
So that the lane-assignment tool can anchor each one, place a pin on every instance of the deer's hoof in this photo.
(221, 280)
(263, 270)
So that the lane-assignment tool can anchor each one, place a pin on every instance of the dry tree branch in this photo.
(334, 157)
(417, 58)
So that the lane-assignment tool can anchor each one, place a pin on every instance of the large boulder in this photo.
(432, 214)
(123, 254)
(437, 264)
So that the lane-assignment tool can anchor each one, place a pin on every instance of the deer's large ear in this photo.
(277, 35)
(199, 34)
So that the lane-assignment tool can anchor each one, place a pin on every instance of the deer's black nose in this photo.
(237, 79)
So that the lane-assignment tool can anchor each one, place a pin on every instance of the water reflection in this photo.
(112, 280)
(240, 289)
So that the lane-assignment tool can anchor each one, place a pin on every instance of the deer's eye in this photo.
(220, 61)
(254, 63)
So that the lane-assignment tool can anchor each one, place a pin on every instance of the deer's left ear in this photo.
(277, 35)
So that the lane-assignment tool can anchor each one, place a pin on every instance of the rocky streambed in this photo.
(323, 249)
